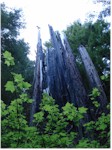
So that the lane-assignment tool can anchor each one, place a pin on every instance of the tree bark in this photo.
(38, 79)
(68, 79)
(93, 75)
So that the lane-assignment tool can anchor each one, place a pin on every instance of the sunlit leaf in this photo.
(82, 110)
(9, 60)
(18, 77)
(10, 86)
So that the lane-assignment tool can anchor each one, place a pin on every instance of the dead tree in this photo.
(68, 79)
(66, 83)
(57, 74)
(38, 78)
(93, 75)
(56, 80)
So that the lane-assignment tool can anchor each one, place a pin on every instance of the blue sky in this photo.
(58, 13)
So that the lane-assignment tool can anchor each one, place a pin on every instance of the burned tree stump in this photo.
(68, 79)
(93, 77)
(38, 79)
(56, 73)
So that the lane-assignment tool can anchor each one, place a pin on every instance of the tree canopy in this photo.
(95, 36)
(11, 23)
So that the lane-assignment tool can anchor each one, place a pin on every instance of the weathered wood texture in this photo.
(92, 75)
(38, 78)
(67, 83)
(56, 73)
(64, 80)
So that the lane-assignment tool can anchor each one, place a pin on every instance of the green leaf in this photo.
(48, 108)
(9, 60)
(103, 126)
(7, 63)
(6, 54)
(20, 81)
(96, 104)
(10, 86)
(92, 98)
(26, 85)
(82, 110)
(29, 101)
(24, 97)
(18, 77)
(108, 106)
(20, 85)
(62, 134)
(39, 116)
(80, 116)
(90, 125)
(102, 77)
(95, 92)
(105, 77)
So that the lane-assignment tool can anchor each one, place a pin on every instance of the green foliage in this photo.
(18, 81)
(14, 122)
(39, 117)
(90, 125)
(11, 23)
(100, 130)
(103, 122)
(52, 124)
(86, 143)
(52, 127)
(96, 104)
(71, 112)
(10, 86)
(95, 36)
(105, 77)
(94, 95)
(95, 92)
(82, 110)
(9, 60)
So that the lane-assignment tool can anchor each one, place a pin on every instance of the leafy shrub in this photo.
(53, 128)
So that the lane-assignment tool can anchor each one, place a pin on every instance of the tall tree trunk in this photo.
(38, 78)
(66, 83)
(70, 83)
(93, 75)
